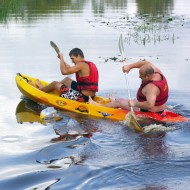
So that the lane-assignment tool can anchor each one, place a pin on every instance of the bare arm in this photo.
(67, 69)
(151, 93)
(139, 64)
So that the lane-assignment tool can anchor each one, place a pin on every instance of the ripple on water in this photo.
(12, 138)
(61, 150)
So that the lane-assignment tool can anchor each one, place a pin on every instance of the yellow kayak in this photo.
(53, 99)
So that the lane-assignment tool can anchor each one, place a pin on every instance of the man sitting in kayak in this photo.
(86, 84)
(152, 94)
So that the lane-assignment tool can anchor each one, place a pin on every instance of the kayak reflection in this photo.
(69, 127)
(28, 111)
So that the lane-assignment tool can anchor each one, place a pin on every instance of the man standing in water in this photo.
(152, 94)
(86, 84)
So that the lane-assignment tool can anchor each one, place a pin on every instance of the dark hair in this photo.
(149, 71)
(75, 52)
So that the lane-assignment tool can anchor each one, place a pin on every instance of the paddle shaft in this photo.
(132, 121)
(121, 48)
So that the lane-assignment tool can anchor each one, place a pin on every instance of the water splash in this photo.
(157, 128)
(148, 125)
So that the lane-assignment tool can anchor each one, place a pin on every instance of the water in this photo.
(80, 152)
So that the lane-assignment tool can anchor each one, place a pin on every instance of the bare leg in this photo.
(112, 104)
(50, 87)
(115, 103)
(119, 103)
(67, 82)
(90, 101)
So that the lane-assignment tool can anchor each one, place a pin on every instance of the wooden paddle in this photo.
(130, 117)
(55, 47)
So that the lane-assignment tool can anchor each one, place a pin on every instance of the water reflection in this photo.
(101, 7)
(70, 127)
(153, 145)
(56, 152)
(72, 135)
(9, 7)
(28, 111)
(150, 23)
(155, 7)
(30, 10)
(25, 10)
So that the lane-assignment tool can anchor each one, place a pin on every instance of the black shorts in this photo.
(160, 112)
(73, 93)
(74, 85)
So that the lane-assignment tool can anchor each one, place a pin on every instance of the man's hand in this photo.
(132, 103)
(60, 56)
(126, 68)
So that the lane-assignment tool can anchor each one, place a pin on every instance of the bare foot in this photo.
(112, 98)
(91, 101)
(32, 84)
(38, 84)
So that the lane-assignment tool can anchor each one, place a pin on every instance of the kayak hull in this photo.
(53, 99)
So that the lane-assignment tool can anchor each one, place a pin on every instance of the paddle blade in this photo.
(55, 47)
(120, 38)
(131, 121)
(121, 47)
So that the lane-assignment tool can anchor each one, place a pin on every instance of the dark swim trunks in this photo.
(73, 93)
(160, 112)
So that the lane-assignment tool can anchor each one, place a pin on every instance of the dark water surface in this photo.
(86, 153)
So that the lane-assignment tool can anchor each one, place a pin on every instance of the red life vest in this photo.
(162, 97)
(88, 82)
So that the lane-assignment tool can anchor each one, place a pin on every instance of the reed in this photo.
(8, 8)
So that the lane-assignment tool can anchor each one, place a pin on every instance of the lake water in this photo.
(86, 153)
